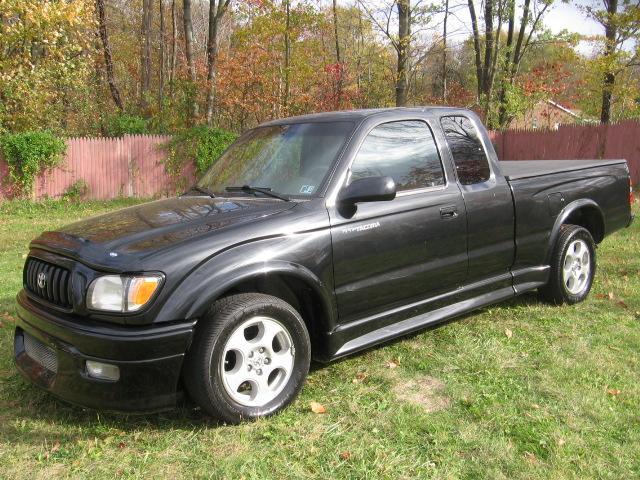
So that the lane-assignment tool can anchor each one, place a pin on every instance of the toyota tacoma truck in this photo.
(312, 237)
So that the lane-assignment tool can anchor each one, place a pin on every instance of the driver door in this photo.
(390, 253)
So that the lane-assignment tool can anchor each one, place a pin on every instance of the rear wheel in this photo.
(573, 266)
(249, 358)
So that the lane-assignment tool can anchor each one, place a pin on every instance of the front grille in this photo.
(40, 353)
(48, 281)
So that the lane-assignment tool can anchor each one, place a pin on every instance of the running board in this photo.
(424, 320)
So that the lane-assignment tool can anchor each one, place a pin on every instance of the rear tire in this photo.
(573, 266)
(249, 359)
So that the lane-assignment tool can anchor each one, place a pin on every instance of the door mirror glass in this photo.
(368, 189)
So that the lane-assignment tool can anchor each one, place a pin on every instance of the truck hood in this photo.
(149, 227)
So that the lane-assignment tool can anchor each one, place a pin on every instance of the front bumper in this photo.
(149, 358)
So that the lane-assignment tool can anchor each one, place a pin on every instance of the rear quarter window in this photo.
(469, 156)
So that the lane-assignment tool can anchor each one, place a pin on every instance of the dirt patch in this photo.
(425, 391)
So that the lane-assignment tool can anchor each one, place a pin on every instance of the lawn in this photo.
(519, 390)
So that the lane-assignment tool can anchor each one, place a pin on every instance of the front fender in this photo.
(306, 258)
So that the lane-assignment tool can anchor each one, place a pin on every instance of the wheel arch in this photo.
(585, 213)
(292, 283)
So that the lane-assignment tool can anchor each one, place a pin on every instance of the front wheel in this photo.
(573, 266)
(249, 358)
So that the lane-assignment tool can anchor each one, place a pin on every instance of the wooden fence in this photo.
(129, 166)
(132, 166)
(613, 141)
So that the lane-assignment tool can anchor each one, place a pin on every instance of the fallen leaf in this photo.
(393, 364)
(535, 405)
(622, 304)
(122, 445)
(614, 391)
(600, 296)
(317, 407)
(561, 441)
(345, 455)
(531, 457)
(508, 333)
(611, 296)
(360, 377)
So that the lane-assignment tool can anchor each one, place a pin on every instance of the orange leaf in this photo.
(345, 455)
(317, 407)
(393, 364)
(614, 391)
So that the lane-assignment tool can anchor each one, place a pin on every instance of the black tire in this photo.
(202, 375)
(556, 291)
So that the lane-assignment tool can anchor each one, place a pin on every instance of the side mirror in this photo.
(368, 189)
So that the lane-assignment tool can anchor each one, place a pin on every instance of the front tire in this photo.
(249, 358)
(573, 266)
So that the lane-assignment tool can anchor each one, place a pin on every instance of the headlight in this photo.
(121, 293)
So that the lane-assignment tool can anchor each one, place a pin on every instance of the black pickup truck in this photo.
(311, 237)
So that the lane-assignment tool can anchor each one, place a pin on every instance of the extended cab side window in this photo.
(472, 165)
(405, 151)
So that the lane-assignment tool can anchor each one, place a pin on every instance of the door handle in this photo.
(449, 212)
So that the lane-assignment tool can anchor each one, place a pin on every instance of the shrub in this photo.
(76, 191)
(29, 153)
(201, 145)
(125, 124)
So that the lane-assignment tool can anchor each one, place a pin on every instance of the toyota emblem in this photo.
(42, 280)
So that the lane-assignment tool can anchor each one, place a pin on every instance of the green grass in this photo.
(543, 403)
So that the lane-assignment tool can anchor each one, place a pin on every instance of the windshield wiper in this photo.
(264, 190)
(200, 189)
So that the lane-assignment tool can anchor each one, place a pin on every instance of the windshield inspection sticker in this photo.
(307, 189)
(361, 228)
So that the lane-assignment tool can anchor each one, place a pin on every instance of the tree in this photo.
(145, 52)
(444, 51)
(532, 15)
(108, 59)
(217, 9)
(621, 22)
(402, 43)
(188, 49)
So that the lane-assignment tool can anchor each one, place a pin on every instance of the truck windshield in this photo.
(292, 160)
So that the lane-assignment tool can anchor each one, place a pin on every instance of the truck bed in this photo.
(516, 170)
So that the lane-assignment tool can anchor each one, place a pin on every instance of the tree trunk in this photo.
(188, 48)
(216, 13)
(444, 52)
(502, 114)
(404, 39)
(174, 45)
(609, 80)
(517, 53)
(108, 59)
(338, 59)
(287, 55)
(145, 59)
(476, 47)
(488, 45)
(162, 60)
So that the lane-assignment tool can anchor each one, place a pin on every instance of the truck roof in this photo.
(351, 115)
